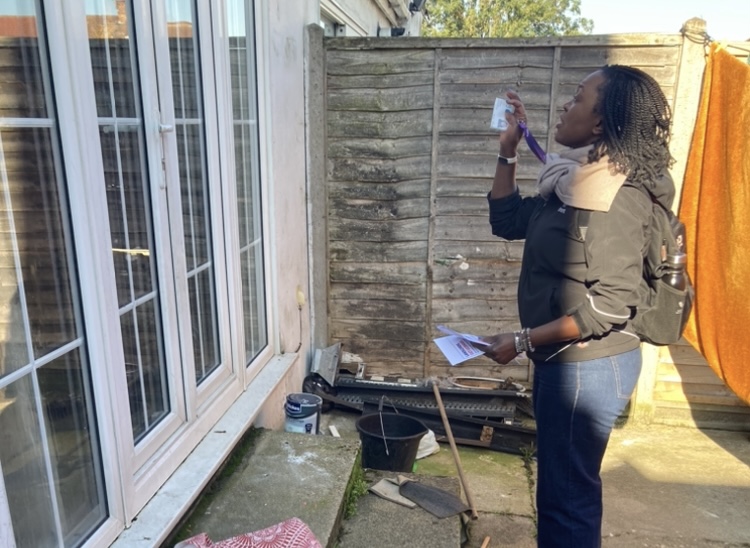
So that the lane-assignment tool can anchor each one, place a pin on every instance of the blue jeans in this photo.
(576, 405)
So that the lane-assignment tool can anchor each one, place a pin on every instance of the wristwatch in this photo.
(507, 161)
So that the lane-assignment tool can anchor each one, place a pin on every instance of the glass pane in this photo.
(254, 314)
(244, 108)
(40, 236)
(196, 216)
(21, 78)
(49, 449)
(111, 58)
(24, 466)
(154, 377)
(121, 130)
(194, 184)
(205, 330)
(133, 375)
(128, 204)
(146, 379)
(14, 353)
(64, 390)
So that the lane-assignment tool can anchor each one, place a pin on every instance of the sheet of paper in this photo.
(467, 336)
(458, 347)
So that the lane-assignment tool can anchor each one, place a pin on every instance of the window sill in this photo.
(162, 514)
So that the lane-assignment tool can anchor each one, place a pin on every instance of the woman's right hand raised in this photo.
(511, 137)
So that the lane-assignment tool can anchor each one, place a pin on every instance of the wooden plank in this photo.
(379, 148)
(378, 231)
(642, 56)
(381, 100)
(688, 393)
(396, 292)
(473, 289)
(402, 190)
(469, 228)
(377, 329)
(473, 206)
(494, 255)
(487, 60)
(399, 79)
(392, 351)
(459, 186)
(694, 374)
(395, 273)
(454, 310)
(386, 125)
(379, 210)
(344, 61)
(485, 142)
(499, 79)
(378, 171)
(684, 354)
(394, 252)
(740, 409)
(507, 254)
(380, 45)
(472, 119)
(376, 309)
(465, 95)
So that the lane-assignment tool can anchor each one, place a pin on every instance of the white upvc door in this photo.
(154, 111)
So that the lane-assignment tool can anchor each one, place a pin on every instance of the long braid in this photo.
(636, 119)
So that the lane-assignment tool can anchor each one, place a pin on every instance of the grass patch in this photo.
(356, 488)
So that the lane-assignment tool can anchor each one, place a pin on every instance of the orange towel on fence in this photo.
(715, 207)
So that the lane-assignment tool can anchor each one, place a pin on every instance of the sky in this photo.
(726, 20)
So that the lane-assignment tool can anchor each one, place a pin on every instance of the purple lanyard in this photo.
(533, 145)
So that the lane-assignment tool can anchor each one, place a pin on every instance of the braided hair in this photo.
(636, 118)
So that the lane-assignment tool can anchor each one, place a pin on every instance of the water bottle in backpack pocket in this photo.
(666, 290)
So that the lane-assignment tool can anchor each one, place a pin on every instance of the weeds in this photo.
(527, 454)
(356, 488)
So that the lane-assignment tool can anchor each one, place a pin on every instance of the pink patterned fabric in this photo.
(292, 533)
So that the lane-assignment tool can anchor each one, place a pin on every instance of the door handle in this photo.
(166, 128)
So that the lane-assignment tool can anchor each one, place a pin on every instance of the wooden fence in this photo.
(401, 238)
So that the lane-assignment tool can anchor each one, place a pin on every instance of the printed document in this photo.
(458, 347)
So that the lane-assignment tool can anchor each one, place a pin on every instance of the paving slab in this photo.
(664, 487)
(282, 475)
(378, 522)
(676, 487)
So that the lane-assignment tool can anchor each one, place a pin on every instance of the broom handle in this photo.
(454, 450)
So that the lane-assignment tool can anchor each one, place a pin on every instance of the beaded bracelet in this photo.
(522, 340)
(526, 335)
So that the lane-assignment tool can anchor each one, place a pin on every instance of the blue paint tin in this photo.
(303, 413)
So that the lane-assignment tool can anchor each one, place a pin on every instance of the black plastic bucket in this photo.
(389, 441)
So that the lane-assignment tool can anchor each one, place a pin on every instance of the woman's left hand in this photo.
(502, 348)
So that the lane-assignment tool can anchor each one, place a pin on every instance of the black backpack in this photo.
(664, 310)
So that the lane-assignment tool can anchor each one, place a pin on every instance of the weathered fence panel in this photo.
(409, 161)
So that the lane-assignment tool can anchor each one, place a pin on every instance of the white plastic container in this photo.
(498, 121)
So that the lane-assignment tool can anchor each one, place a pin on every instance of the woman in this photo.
(585, 233)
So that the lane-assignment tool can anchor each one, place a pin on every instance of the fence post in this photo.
(685, 111)
(687, 97)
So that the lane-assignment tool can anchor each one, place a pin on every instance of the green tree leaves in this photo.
(504, 18)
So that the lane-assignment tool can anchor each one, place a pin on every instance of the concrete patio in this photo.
(664, 487)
